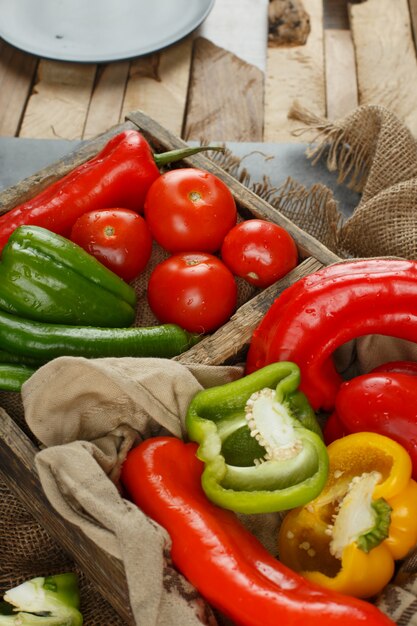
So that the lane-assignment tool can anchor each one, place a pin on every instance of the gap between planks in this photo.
(76, 101)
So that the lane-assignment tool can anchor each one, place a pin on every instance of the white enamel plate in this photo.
(95, 31)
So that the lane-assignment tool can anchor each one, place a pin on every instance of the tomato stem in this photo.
(194, 196)
(109, 231)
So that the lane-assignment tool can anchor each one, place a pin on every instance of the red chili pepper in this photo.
(222, 559)
(330, 307)
(119, 175)
(378, 402)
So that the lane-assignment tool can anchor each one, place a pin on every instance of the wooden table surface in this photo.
(356, 53)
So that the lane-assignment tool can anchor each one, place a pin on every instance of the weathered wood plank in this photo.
(59, 103)
(295, 73)
(225, 101)
(385, 57)
(107, 99)
(341, 80)
(158, 84)
(19, 473)
(17, 71)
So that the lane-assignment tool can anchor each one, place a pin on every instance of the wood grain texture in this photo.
(158, 84)
(106, 102)
(17, 71)
(341, 81)
(295, 74)
(385, 57)
(225, 100)
(19, 473)
(59, 103)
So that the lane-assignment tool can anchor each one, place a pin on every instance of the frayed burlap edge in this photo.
(374, 154)
(313, 209)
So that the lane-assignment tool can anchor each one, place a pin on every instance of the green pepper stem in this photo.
(176, 155)
(288, 384)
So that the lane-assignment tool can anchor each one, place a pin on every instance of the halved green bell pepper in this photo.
(46, 277)
(260, 442)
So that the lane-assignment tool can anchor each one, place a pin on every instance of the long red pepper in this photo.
(321, 312)
(222, 559)
(119, 175)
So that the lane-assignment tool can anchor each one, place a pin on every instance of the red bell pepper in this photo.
(118, 176)
(322, 311)
(222, 559)
(378, 402)
(401, 367)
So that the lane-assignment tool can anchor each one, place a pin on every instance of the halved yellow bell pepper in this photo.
(348, 538)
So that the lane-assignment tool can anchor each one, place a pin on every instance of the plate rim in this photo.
(159, 44)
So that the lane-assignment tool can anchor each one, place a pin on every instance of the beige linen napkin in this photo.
(90, 413)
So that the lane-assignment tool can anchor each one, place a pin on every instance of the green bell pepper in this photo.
(46, 277)
(260, 442)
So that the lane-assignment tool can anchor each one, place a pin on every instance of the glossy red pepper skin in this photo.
(222, 559)
(322, 311)
(119, 175)
(378, 402)
(401, 367)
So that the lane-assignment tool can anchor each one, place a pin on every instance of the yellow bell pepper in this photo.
(348, 538)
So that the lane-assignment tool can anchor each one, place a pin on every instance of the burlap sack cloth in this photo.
(89, 413)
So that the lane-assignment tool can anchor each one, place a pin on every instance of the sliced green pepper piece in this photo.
(50, 601)
(260, 442)
(46, 277)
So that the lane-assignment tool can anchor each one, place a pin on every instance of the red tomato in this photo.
(119, 238)
(194, 290)
(261, 252)
(189, 209)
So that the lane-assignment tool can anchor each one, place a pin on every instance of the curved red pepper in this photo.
(378, 402)
(322, 311)
(222, 559)
(120, 175)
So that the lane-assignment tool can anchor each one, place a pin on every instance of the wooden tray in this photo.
(226, 345)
